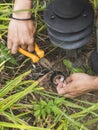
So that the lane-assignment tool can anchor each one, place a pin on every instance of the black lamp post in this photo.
(94, 55)
(69, 23)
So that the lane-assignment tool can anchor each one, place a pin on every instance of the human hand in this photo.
(20, 34)
(76, 85)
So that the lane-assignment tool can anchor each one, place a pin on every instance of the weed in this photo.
(5, 55)
(71, 69)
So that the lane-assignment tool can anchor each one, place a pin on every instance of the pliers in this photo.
(40, 57)
(35, 58)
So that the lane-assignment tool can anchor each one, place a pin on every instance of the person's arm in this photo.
(22, 5)
(21, 32)
(96, 83)
(77, 84)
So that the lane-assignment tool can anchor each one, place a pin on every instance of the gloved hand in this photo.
(20, 34)
(77, 84)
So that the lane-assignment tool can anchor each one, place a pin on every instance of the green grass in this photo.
(18, 106)
(24, 104)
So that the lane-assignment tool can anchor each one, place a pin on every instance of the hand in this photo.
(20, 34)
(76, 85)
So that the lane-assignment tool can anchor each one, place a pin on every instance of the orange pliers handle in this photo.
(35, 58)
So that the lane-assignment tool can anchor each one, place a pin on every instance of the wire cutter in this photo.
(38, 57)
(43, 61)
(35, 58)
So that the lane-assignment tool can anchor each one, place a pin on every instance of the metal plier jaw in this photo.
(35, 58)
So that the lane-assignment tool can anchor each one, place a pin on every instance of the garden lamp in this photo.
(94, 55)
(69, 23)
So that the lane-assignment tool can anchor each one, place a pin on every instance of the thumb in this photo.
(59, 83)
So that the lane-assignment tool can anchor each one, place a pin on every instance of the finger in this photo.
(58, 81)
(14, 48)
(69, 96)
(60, 84)
(62, 88)
(60, 91)
(69, 79)
(30, 47)
(24, 47)
(9, 44)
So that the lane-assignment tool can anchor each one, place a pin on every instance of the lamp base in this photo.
(74, 57)
(94, 62)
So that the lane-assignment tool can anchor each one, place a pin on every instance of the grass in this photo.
(24, 104)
